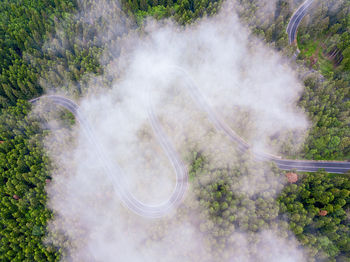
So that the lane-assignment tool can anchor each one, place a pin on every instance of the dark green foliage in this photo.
(327, 236)
(197, 163)
(328, 30)
(183, 11)
(328, 104)
(22, 29)
(324, 42)
(23, 178)
(226, 207)
(73, 52)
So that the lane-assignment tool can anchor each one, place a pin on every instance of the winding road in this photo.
(295, 20)
(116, 176)
(284, 164)
(114, 172)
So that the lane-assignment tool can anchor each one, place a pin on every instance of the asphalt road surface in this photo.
(295, 20)
(114, 172)
(116, 175)
(284, 164)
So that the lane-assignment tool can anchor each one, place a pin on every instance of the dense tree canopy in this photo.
(23, 176)
(45, 44)
(327, 234)
(317, 207)
(183, 11)
(23, 24)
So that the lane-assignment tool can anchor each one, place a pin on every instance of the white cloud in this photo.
(234, 72)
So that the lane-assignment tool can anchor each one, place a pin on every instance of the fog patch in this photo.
(246, 84)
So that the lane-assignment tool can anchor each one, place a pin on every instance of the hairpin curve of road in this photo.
(115, 173)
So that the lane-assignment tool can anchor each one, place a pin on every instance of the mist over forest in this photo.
(174, 130)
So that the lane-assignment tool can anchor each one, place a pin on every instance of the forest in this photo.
(315, 207)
